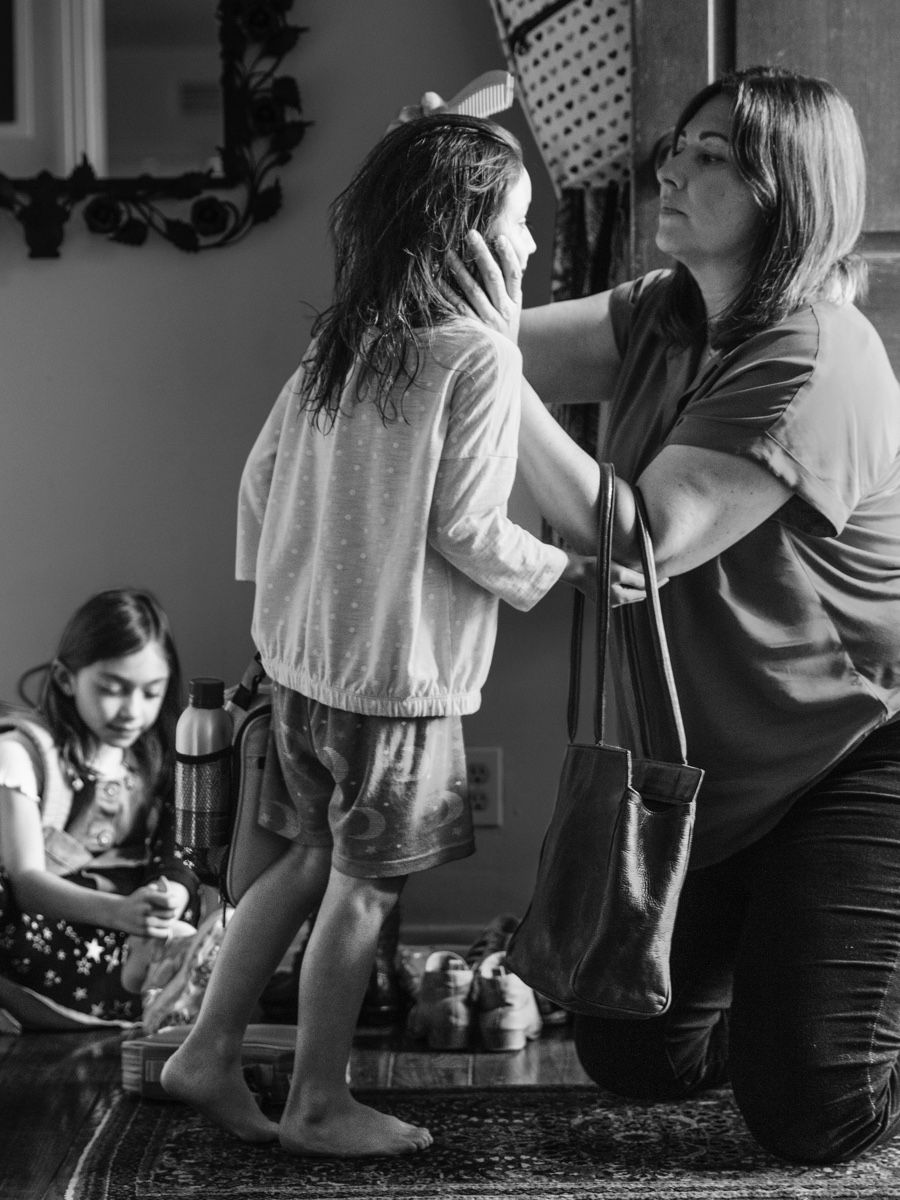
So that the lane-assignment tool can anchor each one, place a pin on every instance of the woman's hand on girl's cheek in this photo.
(495, 296)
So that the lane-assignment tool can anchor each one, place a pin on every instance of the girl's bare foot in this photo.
(219, 1093)
(351, 1130)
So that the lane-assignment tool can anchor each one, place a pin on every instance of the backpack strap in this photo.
(241, 699)
(54, 789)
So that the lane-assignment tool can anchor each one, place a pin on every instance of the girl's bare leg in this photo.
(321, 1117)
(206, 1071)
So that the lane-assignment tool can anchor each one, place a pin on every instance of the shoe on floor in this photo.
(441, 1013)
(495, 936)
(508, 1015)
(552, 1014)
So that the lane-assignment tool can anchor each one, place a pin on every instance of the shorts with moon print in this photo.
(387, 793)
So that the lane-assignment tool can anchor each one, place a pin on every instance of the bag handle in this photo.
(243, 694)
(606, 507)
(677, 748)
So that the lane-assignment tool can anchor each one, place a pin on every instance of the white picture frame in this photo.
(59, 89)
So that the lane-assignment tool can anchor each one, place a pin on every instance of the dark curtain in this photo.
(589, 255)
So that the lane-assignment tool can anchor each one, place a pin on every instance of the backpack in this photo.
(54, 788)
(250, 848)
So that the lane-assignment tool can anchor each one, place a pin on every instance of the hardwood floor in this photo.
(54, 1089)
(395, 1061)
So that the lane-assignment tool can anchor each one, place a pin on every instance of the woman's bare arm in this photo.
(569, 352)
(563, 479)
(699, 502)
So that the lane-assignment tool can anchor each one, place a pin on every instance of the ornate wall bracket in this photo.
(198, 210)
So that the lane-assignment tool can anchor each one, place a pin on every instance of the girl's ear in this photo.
(62, 677)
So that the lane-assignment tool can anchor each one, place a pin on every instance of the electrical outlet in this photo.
(484, 769)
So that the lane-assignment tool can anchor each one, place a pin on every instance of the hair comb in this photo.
(490, 93)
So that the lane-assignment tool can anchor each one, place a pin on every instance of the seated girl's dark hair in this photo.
(797, 146)
(111, 624)
(415, 197)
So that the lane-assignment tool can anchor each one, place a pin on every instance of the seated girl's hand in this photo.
(149, 911)
(178, 895)
(495, 295)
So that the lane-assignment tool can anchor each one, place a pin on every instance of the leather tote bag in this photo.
(596, 936)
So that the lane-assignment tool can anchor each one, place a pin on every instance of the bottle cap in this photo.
(206, 692)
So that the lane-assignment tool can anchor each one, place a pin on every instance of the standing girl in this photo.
(90, 881)
(373, 521)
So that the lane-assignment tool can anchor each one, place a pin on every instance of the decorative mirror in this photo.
(253, 110)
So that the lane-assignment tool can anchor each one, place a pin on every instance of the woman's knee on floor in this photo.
(640, 1060)
(813, 1118)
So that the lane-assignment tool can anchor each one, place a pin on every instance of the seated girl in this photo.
(92, 886)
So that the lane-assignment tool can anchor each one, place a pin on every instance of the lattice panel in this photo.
(572, 63)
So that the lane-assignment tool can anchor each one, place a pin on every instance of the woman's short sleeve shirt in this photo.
(786, 647)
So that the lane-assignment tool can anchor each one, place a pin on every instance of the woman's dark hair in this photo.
(797, 146)
(418, 193)
(111, 624)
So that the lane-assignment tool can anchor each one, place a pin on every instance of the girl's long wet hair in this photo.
(415, 197)
(111, 624)
(797, 146)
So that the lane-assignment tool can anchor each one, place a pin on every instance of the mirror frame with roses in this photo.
(201, 209)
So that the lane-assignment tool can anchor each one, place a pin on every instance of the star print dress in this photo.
(116, 838)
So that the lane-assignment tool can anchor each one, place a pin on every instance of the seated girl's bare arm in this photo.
(145, 911)
(36, 889)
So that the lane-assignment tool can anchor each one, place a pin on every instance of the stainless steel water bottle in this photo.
(203, 767)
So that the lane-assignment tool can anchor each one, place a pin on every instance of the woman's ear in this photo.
(62, 677)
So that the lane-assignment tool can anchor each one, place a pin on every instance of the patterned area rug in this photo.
(557, 1142)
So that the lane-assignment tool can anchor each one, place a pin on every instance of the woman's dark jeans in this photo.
(786, 975)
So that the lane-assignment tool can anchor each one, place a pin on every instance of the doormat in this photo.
(559, 1142)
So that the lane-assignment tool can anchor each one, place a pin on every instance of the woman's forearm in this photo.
(699, 502)
(565, 482)
(569, 350)
(563, 479)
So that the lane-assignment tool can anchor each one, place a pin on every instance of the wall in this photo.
(134, 382)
